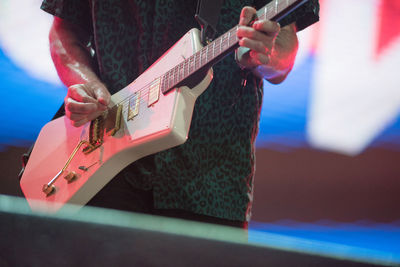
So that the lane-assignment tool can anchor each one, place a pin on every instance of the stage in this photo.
(99, 237)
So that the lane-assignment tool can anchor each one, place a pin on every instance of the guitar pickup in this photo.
(154, 92)
(113, 123)
(134, 102)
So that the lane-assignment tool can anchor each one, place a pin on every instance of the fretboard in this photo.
(210, 54)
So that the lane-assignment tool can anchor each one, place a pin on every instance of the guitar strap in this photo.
(207, 14)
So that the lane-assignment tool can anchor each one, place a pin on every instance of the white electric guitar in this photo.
(153, 113)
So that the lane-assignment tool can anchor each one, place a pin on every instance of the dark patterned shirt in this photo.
(212, 173)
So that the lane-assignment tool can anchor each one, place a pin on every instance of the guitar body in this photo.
(156, 127)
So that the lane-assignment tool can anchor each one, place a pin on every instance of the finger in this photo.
(252, 33)
(75, 116)
(270, 28)
(247, 15)
(253, 59)
(74, 106)
(99, 92)
(255, 45)
(259, 58)
(76, 119)
(80, 93)
(80, 119)
(79, 123)
(102, 95)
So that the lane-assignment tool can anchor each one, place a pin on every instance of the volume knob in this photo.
(71, 176)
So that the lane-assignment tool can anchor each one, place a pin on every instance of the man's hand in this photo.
(259, 38)
(265, 47)
(85, 102)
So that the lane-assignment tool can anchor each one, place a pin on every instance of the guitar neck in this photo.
(212, 53)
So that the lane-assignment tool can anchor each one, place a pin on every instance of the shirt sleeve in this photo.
(75, 11)
(303, 16)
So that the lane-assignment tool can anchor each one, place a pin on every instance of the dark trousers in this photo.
(121, 195)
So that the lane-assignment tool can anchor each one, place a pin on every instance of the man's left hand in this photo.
(266, 48)
(259, 38)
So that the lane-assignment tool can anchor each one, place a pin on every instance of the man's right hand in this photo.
(85, 102)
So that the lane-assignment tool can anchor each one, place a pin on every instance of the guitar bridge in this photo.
(96, 135)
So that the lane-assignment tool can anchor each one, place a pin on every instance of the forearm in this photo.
(87, 96)
(70, 56)
(282, 56)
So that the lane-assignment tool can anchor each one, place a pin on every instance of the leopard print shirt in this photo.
(212, 173)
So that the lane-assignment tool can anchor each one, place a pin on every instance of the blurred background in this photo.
(328, 149)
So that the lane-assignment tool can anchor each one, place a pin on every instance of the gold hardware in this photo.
(154, 92)
(117, 123)
(96, 134)
(71, 176)
(134, 103)
(90, 148)
(49, 188)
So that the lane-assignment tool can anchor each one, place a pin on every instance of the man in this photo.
(99, 47)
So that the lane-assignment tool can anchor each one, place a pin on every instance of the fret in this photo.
(181, 71)
(176, 75)
(265, 11)
(207, 53)
(194, 62)
(224, 45)
(184, 64)
(198, 59)
(220, 45)
(204, 56)
(188, 66)
(166, 80)
(213, 49)
(176, 69)
(171, 78)
(191, 69)
(163, 85)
